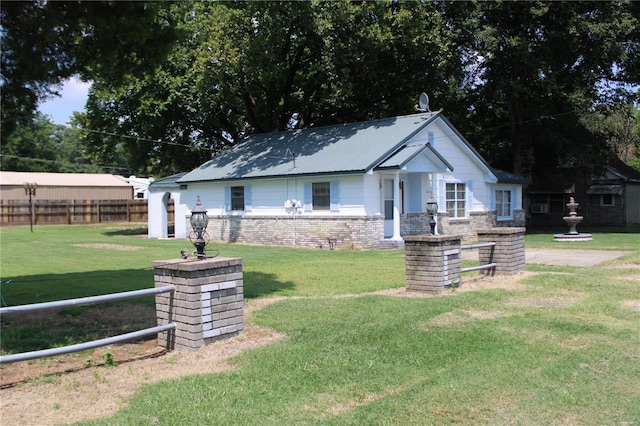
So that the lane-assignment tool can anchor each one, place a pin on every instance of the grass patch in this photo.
(624, 239)
(562, 348)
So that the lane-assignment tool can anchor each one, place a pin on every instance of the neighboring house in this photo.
(140, 186)
(612, 199)
(362, 185)
(64, 186)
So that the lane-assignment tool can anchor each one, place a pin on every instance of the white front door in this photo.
(387, 206)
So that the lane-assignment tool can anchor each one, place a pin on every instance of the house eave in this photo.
(276, 177)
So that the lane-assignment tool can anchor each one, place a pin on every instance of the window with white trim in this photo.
(456, 199)
(321, 195)
(237, 198)
(503, 203)
(607, 200)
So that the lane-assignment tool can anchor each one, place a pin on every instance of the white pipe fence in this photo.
(80, 302)
(477, 246)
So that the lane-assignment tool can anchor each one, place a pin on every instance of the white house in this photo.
(363, 185)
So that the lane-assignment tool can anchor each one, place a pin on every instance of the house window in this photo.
(321, 195)
(503, 203)
(607, 200)
(456, 199)
(548, 203)
(557, 203)
(237, 198)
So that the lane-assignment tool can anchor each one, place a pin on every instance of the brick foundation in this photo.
(362, 232)
(359, 232)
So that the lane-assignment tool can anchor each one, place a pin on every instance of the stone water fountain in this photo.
(572, 221)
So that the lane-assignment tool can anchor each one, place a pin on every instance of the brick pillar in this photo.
(207, 304)
(432, 262)
(508, 252)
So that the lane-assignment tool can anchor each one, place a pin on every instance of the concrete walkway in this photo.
(569, 256)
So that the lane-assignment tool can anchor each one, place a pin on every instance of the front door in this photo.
(387, 206)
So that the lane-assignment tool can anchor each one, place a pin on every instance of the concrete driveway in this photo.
(569, 256)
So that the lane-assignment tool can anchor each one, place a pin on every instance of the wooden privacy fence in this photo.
(56, 212)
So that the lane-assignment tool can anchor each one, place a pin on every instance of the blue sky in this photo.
(73, 98)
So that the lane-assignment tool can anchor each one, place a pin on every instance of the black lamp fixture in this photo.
(30, 190)
(432, 209)
(199, 221)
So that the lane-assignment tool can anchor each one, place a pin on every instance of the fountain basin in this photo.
(580, 236)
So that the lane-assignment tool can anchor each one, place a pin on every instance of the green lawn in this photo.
(561, 348)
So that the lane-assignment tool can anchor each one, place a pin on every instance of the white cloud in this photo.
(73, 97)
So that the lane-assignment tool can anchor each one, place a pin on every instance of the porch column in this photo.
(396, 207)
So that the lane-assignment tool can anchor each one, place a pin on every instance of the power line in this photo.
(159, 141)
(138, 138)
(62, 162)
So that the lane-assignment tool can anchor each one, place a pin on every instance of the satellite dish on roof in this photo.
(423, 102)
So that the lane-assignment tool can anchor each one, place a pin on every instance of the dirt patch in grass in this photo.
(471, 283)
(633, 304)
(450, 319)
(81, 387)
(118, 247)
(543, 303)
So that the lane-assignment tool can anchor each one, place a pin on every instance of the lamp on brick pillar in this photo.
(432, 209)
(199, 221)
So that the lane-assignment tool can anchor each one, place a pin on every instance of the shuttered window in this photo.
(456, 200)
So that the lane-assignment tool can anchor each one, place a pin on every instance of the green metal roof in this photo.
(408, 153)
(508, 177)
(167, 183)
(342, 149)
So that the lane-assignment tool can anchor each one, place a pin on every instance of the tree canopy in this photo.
(182, 81)
(46, 42)
(540, 68)
(42, 146)
(247, 67)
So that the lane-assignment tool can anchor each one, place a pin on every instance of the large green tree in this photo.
(517, 78)
(43, 146)
(537, 69)
(619, 125)
(46, 42)
(246, 67)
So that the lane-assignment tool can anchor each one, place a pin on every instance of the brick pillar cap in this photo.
(433, 238)
(505, 230)
(196, 264)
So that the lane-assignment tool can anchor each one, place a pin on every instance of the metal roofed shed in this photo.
(604, 190)
(65, 186)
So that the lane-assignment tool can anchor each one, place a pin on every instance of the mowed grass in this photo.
(562, 347)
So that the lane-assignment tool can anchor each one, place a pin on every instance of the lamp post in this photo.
(30, 190)
(199, 221)
(432, 209)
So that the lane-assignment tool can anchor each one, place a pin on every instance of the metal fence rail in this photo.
(491, 265)
(80, 302)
